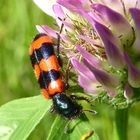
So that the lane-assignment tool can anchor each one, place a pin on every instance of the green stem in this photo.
(121, 123)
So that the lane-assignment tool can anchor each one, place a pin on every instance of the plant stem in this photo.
(121, 123)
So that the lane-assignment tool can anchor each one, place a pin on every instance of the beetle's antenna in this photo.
(58, 42)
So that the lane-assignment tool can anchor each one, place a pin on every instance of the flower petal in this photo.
(96, 17)
(65, 38)
(60, 16)
(121, 6)
(82, 69)
(71, 4)
(89, 85)
(131, 4)
(111, 92)
(128, 93)
(89, 57)
(117, 21)
(78, 7)
(136, 17)
(133, 73)
(109, 81)
(46, 6)
(112, 48)
(45, 28)
(40, 29)
(58, 11)
(114, 55)
(105, 33)
(91, 41)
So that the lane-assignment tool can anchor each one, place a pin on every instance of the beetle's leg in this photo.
(74, 97)
(52, 110)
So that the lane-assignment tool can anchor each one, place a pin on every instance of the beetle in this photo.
(46, 65)
(47, 71)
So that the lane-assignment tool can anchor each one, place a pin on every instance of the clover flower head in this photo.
(102, 40)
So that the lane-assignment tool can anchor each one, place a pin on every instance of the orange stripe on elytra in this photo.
(37, 71)
(37, 43)
(49, 64)
(45, 93)
(56, 86)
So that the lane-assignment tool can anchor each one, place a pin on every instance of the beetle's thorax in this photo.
(65, 106)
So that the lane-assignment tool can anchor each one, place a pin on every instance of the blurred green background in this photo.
(17, 29)
(17, 80)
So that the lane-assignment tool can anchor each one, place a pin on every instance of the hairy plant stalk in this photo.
(121, 124)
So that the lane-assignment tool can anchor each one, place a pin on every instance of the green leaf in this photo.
(76, 129)
(56, 130)
(82, 126)
(19, 117)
